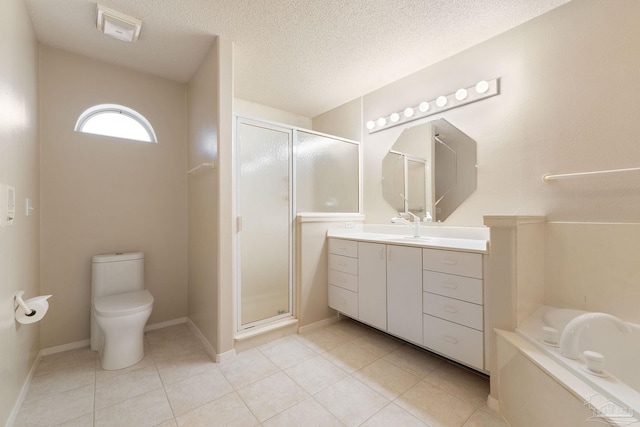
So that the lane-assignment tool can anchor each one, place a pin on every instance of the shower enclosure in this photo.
(280, 171)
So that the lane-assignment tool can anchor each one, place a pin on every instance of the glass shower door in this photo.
(265, 222)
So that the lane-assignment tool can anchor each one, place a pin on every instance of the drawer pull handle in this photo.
(449, 309)
(450, 285)
(342, 280)
(452, 340)
(449, 262)
(342, 264)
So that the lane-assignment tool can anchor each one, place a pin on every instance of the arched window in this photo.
(115, 121)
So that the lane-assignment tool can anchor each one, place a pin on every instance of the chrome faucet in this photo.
(415, 226)
(571, 333)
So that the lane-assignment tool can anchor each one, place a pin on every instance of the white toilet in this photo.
(120, 308)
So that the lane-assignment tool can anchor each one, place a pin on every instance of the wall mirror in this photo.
(430, 170)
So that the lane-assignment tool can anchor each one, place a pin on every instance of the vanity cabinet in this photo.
(430, 297)
(372, 272)
(453, 320)
(343, 276)
(404, 292)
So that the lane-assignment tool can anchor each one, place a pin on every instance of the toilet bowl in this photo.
(121, 319)
(120, 308)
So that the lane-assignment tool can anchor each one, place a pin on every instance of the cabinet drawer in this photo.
(461, 312)
(344, 301)
(460, 263)
(450, 285)
(343, 280)
(343, 247)
(343, 263)
(455, 341)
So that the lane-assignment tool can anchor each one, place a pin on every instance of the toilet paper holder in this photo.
(28, 311)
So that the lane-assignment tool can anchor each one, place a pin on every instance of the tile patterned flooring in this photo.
(344, 374)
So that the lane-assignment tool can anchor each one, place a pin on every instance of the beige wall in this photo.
(569, 102)
(593, 267)
(104, 195)
(19, 157)
(202, 113)
(343, 121)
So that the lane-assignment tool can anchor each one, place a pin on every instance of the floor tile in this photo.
(322, 340)
(126, 386)
(349, 357)
(393, 415)
(149, 409)
(342, 374)
(272, 395)
(228, 410)
(315, 374)
(466, 385)
(378, 343)
(195, 391)
(386, 378)
(61, 380)
(247, 367)
(185, 366)
(57, 408)
(349, 329)
(172, 347)
(67, 359)
(308, 413)
(84, 421)
(287, 352)
(482, 418)
(418, 362)
(351, 401)
(435, 406)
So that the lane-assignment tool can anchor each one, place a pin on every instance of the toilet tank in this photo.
(117, 273)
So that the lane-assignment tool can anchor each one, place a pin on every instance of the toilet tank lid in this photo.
(117, 257)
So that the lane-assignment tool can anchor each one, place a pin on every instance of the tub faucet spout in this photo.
(570, 336)
(402, 217)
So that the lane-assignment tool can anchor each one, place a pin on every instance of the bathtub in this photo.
(611, 397)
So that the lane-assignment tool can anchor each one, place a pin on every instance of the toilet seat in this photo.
(123, 304)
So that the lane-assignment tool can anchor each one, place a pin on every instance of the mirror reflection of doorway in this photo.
(265, 221)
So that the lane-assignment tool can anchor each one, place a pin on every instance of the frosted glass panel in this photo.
(263, 202)
(326, 174)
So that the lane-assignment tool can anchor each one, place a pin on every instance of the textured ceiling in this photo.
(301, 56)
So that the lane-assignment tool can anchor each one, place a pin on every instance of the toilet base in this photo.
(121, 347)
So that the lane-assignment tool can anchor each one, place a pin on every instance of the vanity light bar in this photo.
(482, 90)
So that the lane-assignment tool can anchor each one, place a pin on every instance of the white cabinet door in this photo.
(372, 290)
(404, 292)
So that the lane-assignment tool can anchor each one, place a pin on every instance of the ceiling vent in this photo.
(118, 25)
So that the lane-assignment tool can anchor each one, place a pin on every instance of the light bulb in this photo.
(423, 107)
(394, 117)
(482, 86)
(408, 112)
(371, 124)
(461, 94)
(382, 121)
(441, 101)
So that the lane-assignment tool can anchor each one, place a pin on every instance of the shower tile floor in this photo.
(344, 374)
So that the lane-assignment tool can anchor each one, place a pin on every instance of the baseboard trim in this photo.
(208, 348)
(317, 325)
(23, 391)
(227, 355)
(493, 403)
(65, 347)
(165, 324)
